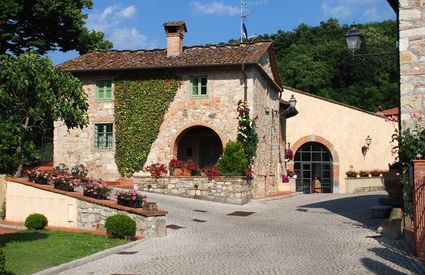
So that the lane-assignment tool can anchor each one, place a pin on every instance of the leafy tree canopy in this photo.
(32, 95)
(316, 60)
(44, 25)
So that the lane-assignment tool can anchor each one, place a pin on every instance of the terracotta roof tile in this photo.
(249, 53)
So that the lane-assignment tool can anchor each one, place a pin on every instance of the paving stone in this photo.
(332, 237)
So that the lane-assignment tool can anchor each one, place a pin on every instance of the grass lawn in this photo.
(29, 251)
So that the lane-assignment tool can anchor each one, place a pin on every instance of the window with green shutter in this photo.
(198, 86)
(103, 136)
(104, 90)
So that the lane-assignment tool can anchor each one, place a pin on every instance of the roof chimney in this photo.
(175, 32)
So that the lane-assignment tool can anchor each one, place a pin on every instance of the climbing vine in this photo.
(247, 135)
(139, 112)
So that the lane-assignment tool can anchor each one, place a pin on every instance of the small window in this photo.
(103, 136)
(198, 85)
(104, 90)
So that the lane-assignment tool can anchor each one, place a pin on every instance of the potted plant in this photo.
(64, 182)
(42, 177)
(351, 174)
(31, 174)
(130, 198)
(364, 173)
(96, 189)
(156, 170)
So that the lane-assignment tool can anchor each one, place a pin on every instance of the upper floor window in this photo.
(104, 90)
(103, 136)
(198, 86)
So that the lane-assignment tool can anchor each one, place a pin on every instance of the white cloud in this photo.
(110, 17)
(356, 10)
(128, 38)
(214, 8)
(336, 11)
(128, 12)
(112, 21)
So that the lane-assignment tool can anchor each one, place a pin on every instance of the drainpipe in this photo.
(245, 83)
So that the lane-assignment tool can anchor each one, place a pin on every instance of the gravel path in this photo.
(305, 234)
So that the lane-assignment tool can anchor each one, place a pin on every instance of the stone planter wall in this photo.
(232, 190)
(74, 210)
(363, 184)
(92, 217)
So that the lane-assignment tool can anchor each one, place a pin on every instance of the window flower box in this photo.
(130, 198)
(96, 189)
(64, 182)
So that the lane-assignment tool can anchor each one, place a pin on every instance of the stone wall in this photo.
(216, 111)
(77, 145)
(363, 184)
(73, 210)
(412, 59)
(232, 190)
(265, 100)
(92, 217)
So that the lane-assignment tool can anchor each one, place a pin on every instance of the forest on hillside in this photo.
(316, 60)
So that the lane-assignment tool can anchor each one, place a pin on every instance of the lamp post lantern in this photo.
(354, 38)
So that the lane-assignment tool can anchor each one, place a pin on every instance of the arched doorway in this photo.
(313, 159)
(199, 144)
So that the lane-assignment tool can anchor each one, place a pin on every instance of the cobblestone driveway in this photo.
(305, 234)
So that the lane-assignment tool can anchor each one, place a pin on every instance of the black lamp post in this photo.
(354, 38)
(354, 41)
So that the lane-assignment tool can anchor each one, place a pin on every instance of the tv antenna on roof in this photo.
(245, 13)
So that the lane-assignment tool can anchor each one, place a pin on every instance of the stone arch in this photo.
(314, 138)
(188, 129)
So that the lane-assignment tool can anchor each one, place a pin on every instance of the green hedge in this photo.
(139, 112)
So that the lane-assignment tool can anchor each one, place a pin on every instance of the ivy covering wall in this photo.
(139, 112)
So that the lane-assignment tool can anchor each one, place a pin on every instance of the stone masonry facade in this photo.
(92, 217)
(412, 59)
(232, 190)
(217, 111)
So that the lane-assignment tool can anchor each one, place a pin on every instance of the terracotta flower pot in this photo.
(181, 172)
(393, 185)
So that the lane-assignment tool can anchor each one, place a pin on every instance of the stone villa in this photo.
(200, 120)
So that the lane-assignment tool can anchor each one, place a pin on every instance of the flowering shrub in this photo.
(175, 163)
(247, 135)
(97, 189)
(249, 173)
(210, 171)
(61, 168)
(156, 169)
(289, 154)
(31, 174)
(351, 174)
(79, 171)
(411, 142)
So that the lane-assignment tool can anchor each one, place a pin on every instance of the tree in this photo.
(44, 25)
(316, 60)
(32, 95)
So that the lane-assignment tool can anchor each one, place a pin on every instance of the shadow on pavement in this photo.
(355, 208)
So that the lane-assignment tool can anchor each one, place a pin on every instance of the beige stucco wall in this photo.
(22, 200)
(345, 129)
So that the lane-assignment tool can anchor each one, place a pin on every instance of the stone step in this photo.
(380, 211)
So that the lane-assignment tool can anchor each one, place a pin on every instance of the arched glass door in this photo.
(313, 159)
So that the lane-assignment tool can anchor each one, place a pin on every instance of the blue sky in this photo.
(137, 24)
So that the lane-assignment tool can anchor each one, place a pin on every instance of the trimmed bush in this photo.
(120, 226)
(233, 162)
(36, 221)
